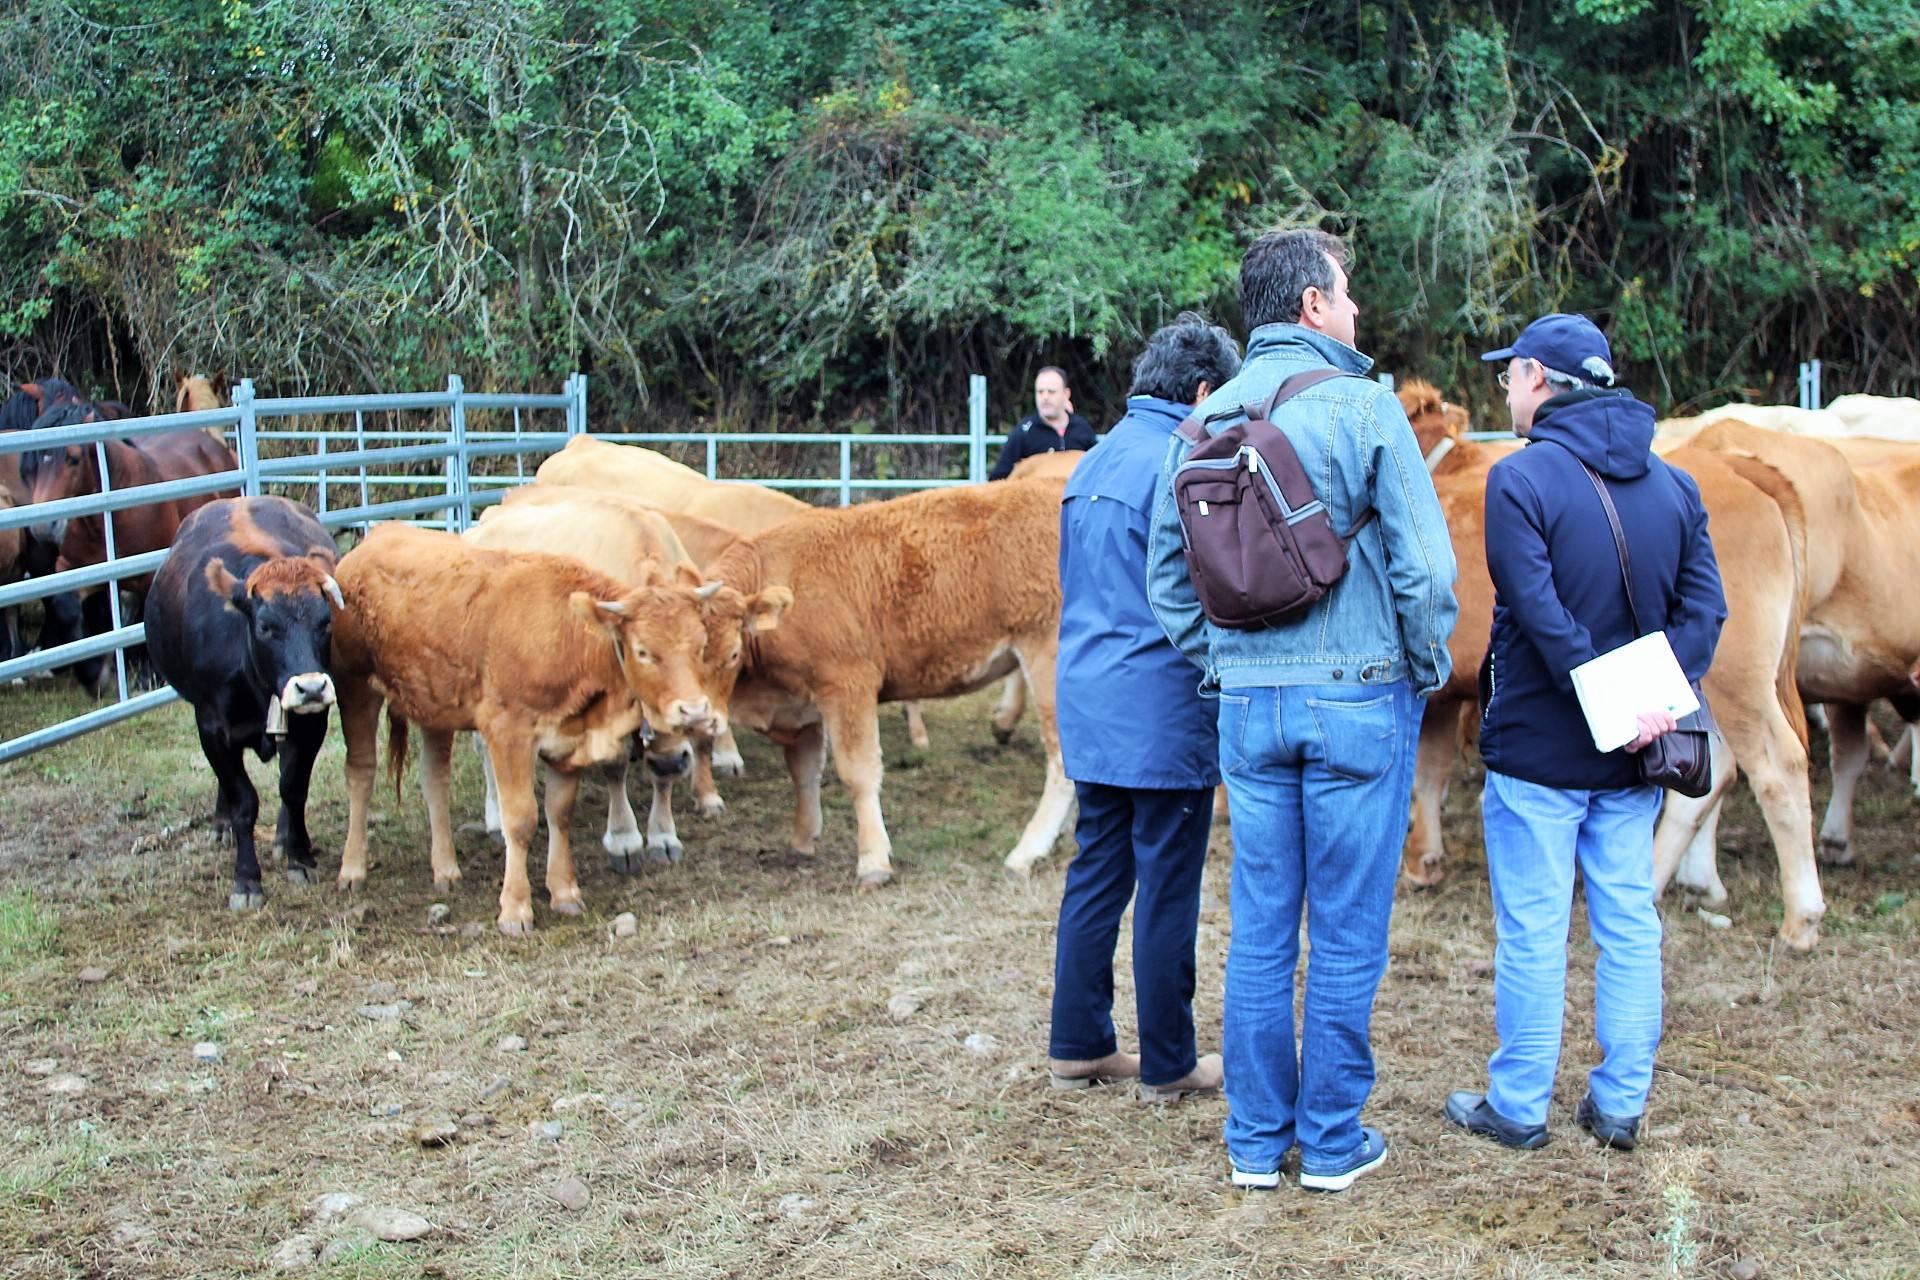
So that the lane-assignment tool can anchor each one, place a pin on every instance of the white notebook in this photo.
(1619, 686)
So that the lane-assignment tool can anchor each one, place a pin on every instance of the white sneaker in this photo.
(1255, 1181)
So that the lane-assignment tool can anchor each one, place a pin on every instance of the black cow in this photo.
(239, 621)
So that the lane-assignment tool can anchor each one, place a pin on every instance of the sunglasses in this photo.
(1505, 378)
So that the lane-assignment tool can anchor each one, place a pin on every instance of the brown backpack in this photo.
(1261, 547)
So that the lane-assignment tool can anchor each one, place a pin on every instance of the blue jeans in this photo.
(1318, 778)
(1536, 835)
(1157, 841)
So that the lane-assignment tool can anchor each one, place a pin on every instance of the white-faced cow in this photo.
(238, 621)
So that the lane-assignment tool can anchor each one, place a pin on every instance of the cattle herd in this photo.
(625, 607)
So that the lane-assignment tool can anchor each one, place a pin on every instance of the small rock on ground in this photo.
(206, 1051)
(511, 1044)
(40, 1066)
(438, 914)
(568, 1194)
(1745, 1269)
(794, 1206)
(474, 1120)
(436, 1133)
(333, 1204)
(395, 1225)
(386, 1012)
(67, 1085)
(625, 925)
(92, 973)
(340, 1249)
(902, 1007)
(293, 1254)
(981, 1043)
(546, 1130)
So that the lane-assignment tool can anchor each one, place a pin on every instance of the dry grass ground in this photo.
(737, 1099)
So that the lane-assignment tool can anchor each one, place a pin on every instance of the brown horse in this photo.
(73, 471)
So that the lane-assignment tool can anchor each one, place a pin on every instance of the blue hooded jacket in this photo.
(1128, 709)
(1558, 600)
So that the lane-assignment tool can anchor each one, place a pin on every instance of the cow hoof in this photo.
(1002, 736)
(1424, 873)
(712, 807)
(516, 928)
(1016, 871)
(1836, 852)
(1801, 934)
(246, 898)
(347, 884)
(299, 873)
(569, 906)
(664, 849)
(871, 880)
(729, 766)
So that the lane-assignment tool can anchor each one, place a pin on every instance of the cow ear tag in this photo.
(276, 718)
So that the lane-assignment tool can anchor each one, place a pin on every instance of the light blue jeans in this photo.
(1318, 779)
(1536, 836)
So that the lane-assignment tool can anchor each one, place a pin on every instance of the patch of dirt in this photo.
(732, 1090)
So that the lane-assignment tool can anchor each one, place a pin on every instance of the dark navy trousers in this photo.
(1149, 844)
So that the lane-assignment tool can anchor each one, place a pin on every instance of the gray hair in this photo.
(1181, 356)
(1278, 269)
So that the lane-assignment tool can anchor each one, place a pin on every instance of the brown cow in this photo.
(1749, 686)
(537, 653)
(626, 540)
(1860, 634)
(1057, 465)
(911, 598)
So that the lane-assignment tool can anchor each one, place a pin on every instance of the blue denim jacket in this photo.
(1389, 617)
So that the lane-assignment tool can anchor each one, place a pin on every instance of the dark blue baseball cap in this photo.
(1569, 344)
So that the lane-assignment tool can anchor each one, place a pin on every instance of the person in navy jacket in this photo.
(1052, 427)
(1552, 801)
(1138, 741)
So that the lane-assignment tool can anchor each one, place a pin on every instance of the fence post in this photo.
(846, 473)
(249, 439)
(457, 480)
(976, 427)
(577, 411)
(111, 588)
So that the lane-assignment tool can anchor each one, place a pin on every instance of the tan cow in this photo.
(625, 539)
(1749, 686)
(539, 654)
(1882, 417)
(657, 479)
(1775, 417)
(1860, 634)
(910, 598)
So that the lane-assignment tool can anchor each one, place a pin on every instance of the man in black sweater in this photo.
(1053, 427)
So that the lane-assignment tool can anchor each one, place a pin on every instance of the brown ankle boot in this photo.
(1205, 1077)
(1083, 1073)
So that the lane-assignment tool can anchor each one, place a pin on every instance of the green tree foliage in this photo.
(836, 209)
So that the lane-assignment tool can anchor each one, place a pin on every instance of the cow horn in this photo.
(708, 591)
(333, 593)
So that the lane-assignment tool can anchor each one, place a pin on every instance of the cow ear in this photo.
(764, 610)
(685, 575)
(603, 616)
(225, 584)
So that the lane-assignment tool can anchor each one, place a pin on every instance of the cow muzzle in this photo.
(310, 692)
(689, 715)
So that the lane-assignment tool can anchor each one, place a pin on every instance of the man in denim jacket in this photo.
(1317, 723)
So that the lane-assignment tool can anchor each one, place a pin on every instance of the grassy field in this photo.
(735, 1098)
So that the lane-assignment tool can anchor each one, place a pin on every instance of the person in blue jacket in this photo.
(1137, 742)
(1553, 802)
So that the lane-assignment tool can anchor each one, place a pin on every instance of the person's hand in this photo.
(1653, 724)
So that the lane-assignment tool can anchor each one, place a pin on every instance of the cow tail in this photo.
(396, 749)
(1787, 686)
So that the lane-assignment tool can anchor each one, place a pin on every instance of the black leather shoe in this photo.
(1471, 1112)
(1621, 1133)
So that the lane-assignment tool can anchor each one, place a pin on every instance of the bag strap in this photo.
(1619, 538)
(1288, 390)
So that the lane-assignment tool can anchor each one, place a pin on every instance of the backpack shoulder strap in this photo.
(1193, 430)
(1289, 389)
